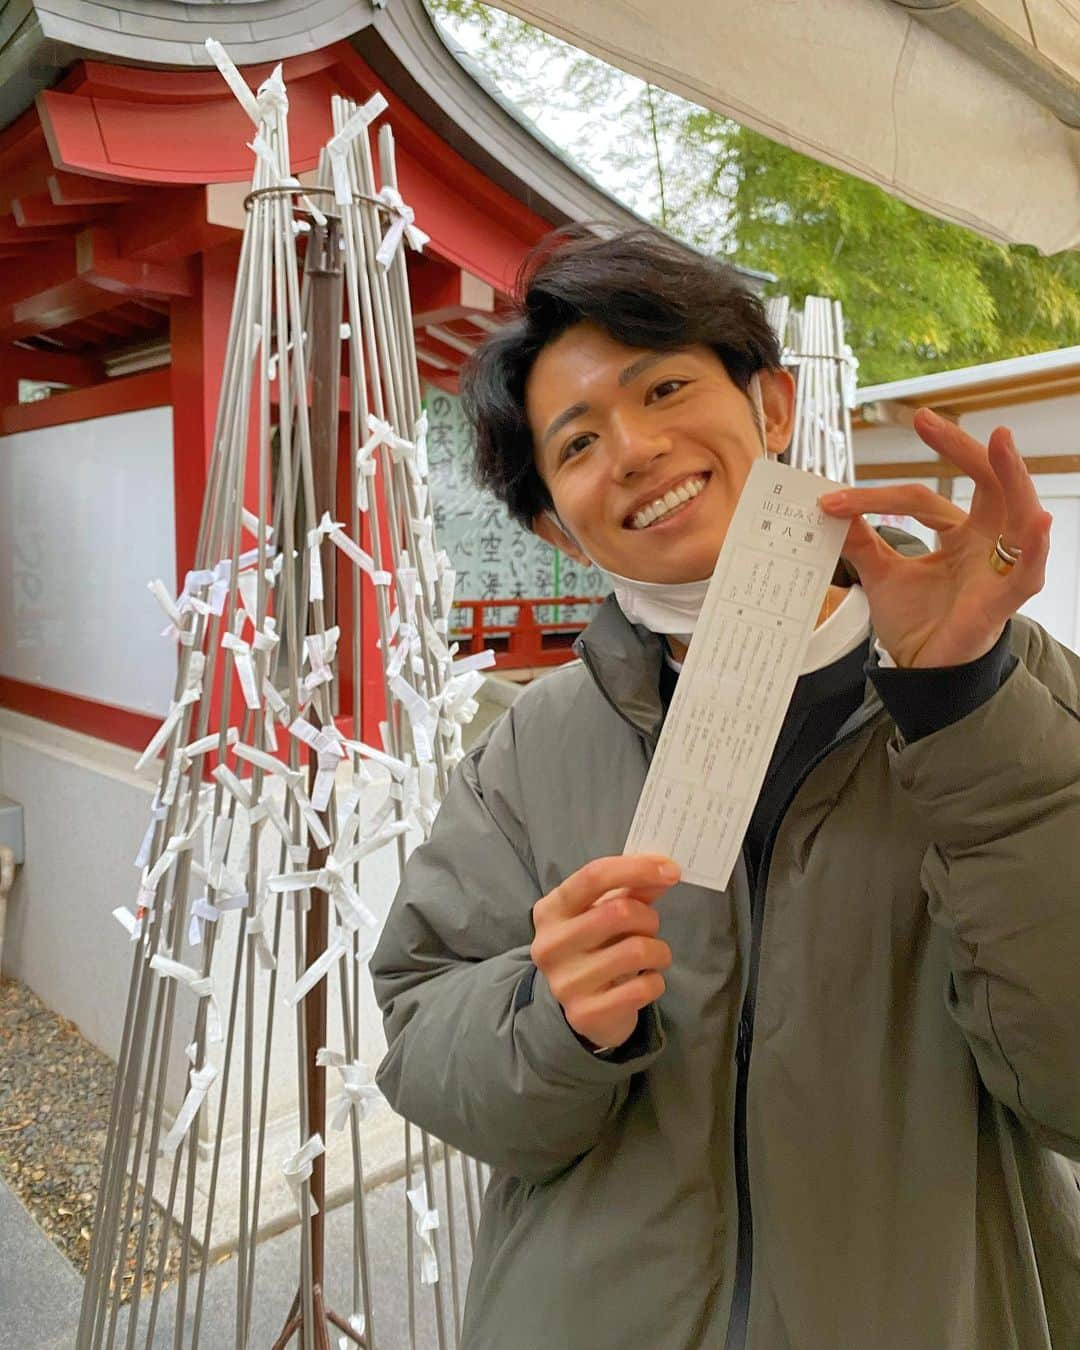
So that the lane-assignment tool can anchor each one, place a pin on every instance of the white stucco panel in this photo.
(86, 516)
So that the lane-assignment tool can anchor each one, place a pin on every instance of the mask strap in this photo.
(759, 411)
(554, 518)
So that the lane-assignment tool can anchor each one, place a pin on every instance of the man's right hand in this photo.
(596, 943)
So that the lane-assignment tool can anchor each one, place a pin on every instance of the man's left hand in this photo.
(949, 607)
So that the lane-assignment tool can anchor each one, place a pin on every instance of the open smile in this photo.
(664, 508)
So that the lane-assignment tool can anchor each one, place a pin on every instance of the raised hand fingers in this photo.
(621, 916)
(647, 875)
(903, 499)
(599, 970)
(604, 1008)
(1025, 523)
(596, 935)
(864, 547)
(956, 445)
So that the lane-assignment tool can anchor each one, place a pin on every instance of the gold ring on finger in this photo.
(1004, 558)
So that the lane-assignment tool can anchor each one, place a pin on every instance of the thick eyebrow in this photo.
(632, 371)
(567, 415)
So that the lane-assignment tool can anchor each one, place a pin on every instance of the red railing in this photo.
(526, 640)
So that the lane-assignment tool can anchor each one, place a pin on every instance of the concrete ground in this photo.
(40, 1293)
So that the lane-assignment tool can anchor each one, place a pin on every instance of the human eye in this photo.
(665, 388)
(574, 447)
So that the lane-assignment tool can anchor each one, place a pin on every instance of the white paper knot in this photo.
(297, 1171)
(191, 693)
(422, 714)
(420, 434)
(402, 225)
(326, 744)
(427, 1221)
(320, 650)
(357, 1322)
(314, 542)
(272, 97)
(199, 1082)
(158, 812)
(333, 878)
(176, 844)
(337, 146)
(256, 931)
(199, 984)
(357, 1089)
(382, 433)
(850, 377)
(245, 668)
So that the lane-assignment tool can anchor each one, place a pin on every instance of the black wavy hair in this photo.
(643, 289)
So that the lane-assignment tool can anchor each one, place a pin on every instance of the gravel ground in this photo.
(55, 1093)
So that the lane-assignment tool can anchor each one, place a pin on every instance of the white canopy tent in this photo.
(967, 109)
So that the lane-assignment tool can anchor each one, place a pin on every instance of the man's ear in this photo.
(545, 527)
(778, 404)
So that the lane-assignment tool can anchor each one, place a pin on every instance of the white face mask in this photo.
(668, 607)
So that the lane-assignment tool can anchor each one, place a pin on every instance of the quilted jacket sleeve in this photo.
(479, 1052)
(999, 792)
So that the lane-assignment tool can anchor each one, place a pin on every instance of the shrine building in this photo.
(123, 172)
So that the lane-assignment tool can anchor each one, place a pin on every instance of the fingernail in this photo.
(669, 871)
(932, 415)
(832, 499)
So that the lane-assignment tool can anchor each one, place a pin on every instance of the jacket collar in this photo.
(624, 659)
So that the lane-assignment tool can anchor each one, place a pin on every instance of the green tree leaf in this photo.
(919, 294)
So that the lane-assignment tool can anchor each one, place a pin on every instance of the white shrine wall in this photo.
(86, 518)
(86, 513)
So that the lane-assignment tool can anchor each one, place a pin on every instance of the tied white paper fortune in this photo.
(402, 225)
(199, 1085)
(297, 1170)
(337, 146)
(748, 648)
(148, 884)
(427, 1221)
(358, 1092)
(357, 1324)
(326, 744)
(200, 985)
(191, 693)
(271, 99)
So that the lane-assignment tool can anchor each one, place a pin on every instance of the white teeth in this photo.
(683, 493)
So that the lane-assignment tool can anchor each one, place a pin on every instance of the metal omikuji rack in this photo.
(250, 910)
(815, 349)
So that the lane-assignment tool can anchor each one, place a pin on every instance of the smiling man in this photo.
(832, 1108)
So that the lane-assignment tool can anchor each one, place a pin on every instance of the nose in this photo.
(634, 444)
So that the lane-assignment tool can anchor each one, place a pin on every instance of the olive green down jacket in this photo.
(913, 1079)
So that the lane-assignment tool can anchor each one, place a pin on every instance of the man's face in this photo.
(645, 453)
